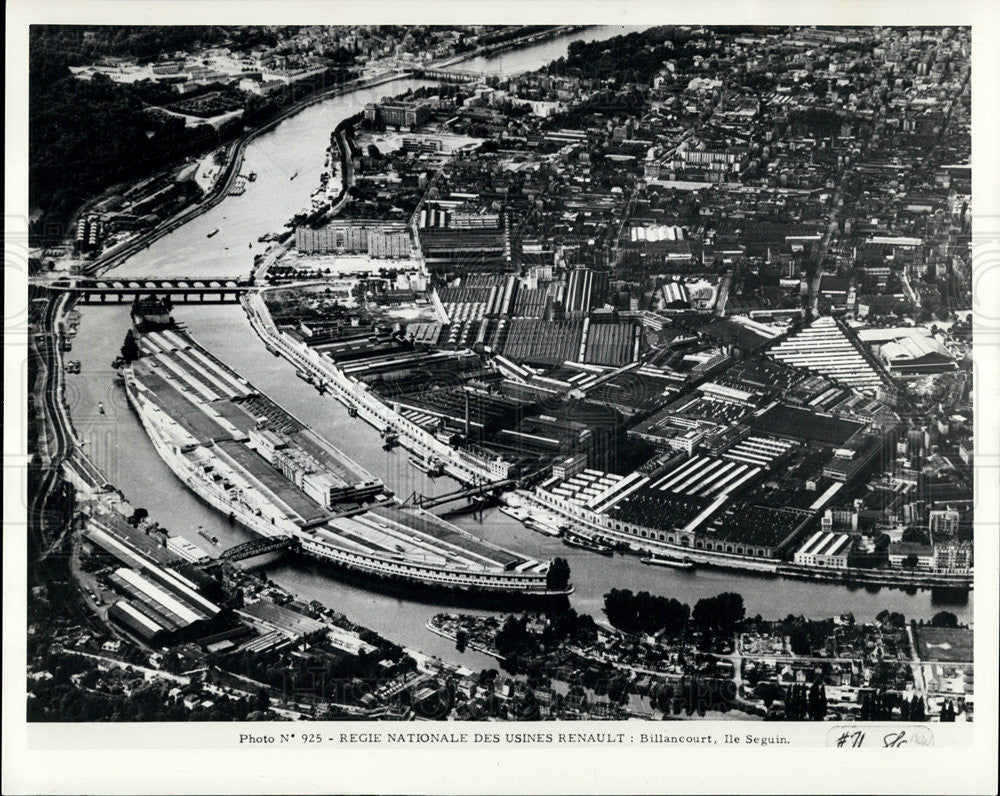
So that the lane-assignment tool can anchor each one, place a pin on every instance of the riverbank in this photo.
(118, 444)
(730, 561)
(230, 172)
(418, 441)
(472, 645)
(493, 49)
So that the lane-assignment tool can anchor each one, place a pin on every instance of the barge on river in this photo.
(259, 465)
(668, 562)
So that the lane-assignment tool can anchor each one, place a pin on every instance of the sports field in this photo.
(944, 643)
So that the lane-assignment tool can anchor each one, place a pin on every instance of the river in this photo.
(515, 62)
(117, 443)
(288, 162)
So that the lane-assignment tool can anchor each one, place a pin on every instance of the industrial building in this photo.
(381, 240)
(826, 347)
(402, 114)
(157, 604)
(825, 549)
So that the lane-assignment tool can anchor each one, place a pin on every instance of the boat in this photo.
(296, 174)
(540, 526)
(673, 563)
(433, 468)
(213, 233)
(587, 543)
(212, 539)
(252, 176)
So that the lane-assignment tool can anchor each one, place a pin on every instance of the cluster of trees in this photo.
(516, 644)
(513, 640)
(806, 634)
(644, 612)
(557, 578)
(145, 42)
(89, 134)
(821, 121)
(634, 58)
(883, 705)
(802, 702)
(721, 615)
(323, 676)
(99, 697)
(944, 619)
(890, 619)
(130, 348)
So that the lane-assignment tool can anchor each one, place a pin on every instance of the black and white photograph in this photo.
(502, 376)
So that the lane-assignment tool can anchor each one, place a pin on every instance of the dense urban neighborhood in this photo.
(628, 370)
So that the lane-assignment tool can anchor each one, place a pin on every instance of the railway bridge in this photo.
(258, 547)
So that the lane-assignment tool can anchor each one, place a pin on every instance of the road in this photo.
(56, 443)
(824, 245)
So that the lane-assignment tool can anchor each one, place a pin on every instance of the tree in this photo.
(130, 348)
(262, 701)
(557, 578)
(721, 614)
(944, 619)
(171, 662)
(800, 639)
(892, 619)
(910, 562)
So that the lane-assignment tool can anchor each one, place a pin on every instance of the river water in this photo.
(514, 62)
(117, 443)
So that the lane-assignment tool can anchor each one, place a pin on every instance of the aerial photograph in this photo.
(499, 373)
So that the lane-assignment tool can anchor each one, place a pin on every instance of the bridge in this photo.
(429, 502)
(181, 290)
(258, 547)
(450, 75)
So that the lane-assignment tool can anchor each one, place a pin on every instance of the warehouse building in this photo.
(825, 549)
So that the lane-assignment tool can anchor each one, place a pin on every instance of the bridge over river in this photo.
(258, 547)
(180, 290)
(478, 490)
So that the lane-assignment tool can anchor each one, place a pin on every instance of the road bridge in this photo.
(180, 290)
(450, 75)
